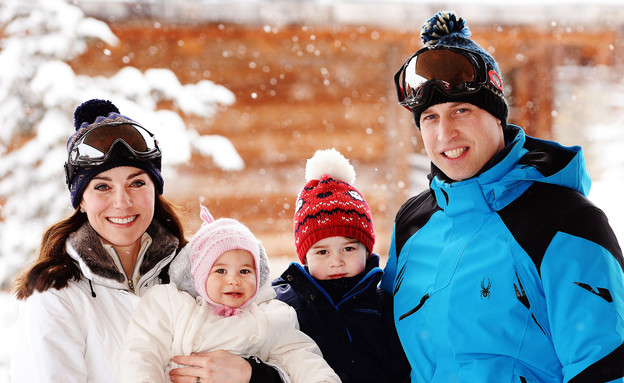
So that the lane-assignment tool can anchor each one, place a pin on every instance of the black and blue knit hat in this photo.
(448, 30)
(92, 114)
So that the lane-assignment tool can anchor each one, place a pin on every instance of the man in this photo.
(503, 270)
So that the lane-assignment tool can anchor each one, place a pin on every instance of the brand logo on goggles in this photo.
(495, 80)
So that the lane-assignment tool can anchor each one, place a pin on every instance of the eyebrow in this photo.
(217, 264)
(138, 173)
(453, 105)
(349, 241)
(315, 246)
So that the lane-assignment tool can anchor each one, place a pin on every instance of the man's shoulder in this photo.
(544, 210)
(551, 203)
(413, 215)
(421, 206)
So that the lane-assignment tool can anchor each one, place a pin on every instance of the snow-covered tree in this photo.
(38, 94)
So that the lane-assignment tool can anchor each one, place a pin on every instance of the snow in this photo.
(39, 91)
(35, 75)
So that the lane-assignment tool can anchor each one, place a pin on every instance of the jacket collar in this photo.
(299, 277)
(523, 161)
(101, 264)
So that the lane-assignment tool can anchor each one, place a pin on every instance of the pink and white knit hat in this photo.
(210, 242)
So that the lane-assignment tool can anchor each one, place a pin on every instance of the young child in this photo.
(235, 311)
(334, 289)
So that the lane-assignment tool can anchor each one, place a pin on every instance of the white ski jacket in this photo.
(75, 334)
(170, 322)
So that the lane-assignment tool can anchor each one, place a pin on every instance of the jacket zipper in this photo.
(131, 285)
(412, 311)
(522, 296)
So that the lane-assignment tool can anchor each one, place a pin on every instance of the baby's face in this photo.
(232, 279)
(336, 257)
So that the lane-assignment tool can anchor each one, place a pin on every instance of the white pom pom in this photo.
(331, 162)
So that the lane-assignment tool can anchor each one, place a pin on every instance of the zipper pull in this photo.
(131, 285)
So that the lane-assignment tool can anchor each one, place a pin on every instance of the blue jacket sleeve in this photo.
(387, 282)
(583, 284)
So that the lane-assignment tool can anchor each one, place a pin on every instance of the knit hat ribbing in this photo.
(100, 113)
(447, 29)
(212, 240)
(329, 206)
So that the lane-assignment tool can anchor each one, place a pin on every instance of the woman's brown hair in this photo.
(55, 268)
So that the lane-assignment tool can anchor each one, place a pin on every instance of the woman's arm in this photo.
(49, 342)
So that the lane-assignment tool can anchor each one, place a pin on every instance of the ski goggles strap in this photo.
(454, 71)
(96, 146)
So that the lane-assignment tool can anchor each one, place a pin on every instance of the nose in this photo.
(336, 261)
(233, 279)
(447, 130)
(122, 198)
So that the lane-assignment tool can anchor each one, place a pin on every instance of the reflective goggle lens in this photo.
(94, 147)
(455, 71)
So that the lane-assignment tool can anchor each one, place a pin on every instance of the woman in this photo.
(78, 296)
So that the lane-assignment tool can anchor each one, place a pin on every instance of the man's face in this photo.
(460, 138)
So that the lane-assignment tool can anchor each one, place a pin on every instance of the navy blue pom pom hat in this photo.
(450, 68)
(105, 139)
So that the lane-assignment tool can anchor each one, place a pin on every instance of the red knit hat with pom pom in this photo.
(329, 206)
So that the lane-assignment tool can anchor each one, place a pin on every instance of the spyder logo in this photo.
(485, 288)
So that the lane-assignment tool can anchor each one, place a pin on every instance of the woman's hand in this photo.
(211, 367)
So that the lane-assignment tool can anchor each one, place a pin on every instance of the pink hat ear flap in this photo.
(205, 215)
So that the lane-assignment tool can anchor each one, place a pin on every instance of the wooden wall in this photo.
(299, 89)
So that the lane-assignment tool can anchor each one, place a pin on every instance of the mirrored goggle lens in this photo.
(94, 147)
(446, 66)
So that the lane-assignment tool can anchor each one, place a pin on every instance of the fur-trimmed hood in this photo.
(100, 264)
(180, 271)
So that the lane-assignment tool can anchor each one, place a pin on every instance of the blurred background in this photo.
(241, 93)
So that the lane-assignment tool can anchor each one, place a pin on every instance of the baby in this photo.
(233, 310)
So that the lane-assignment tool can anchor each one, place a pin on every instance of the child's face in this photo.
(336, 257)
(232, 279)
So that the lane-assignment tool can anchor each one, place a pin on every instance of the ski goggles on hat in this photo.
(97, 145)
(453, 71)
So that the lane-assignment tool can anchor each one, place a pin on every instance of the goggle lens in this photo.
(452, 70)
(96, 146)
(93, 148)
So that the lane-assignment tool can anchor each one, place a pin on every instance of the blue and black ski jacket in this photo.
(510, 276)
